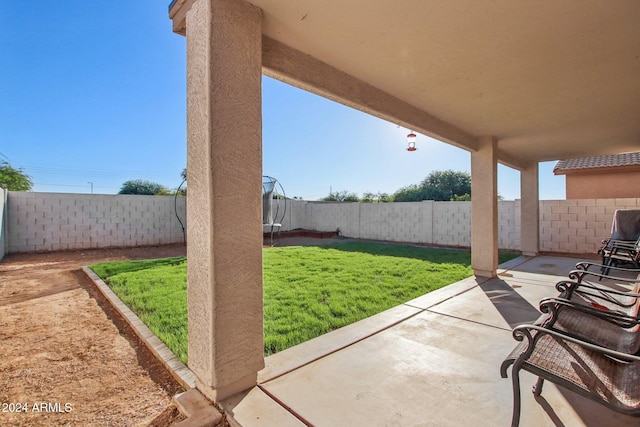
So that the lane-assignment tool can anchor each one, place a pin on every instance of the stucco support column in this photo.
(484, 208)
(529, 211)
(224, 164)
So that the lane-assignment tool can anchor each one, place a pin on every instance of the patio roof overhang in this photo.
(548, 80)
(512, 82)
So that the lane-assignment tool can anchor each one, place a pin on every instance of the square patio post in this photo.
(529, 211)
(484, 208)
(224, 163)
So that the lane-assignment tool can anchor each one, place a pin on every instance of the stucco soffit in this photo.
(178, 14)
(303, 71)
(511, 161)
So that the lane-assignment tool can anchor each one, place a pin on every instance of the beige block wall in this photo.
(578, 226)
(3, 223)
(426, 222)
(296, 215)
(408, 222)
(53, 221)
(566, 226)
(451, 224)
(329, 216)
(509, 225)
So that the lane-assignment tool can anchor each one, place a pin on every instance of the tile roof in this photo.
(610, 161)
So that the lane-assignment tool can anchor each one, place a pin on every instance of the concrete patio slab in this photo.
(419, 372)
(295, 357)
(433, 361)
(543, 268)
(513, 306)
(443, 294)
(255, 408)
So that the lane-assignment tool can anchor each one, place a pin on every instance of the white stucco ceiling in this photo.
(549, 79)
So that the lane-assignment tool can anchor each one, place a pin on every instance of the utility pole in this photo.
(91, 186)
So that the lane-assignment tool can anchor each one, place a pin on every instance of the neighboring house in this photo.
(601, 177)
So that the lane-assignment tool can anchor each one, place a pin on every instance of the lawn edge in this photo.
(176, 368)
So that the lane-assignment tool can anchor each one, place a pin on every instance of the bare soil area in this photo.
(66, 358)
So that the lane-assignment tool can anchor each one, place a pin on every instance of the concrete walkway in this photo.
(433, 361)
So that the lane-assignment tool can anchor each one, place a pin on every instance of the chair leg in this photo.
(607, 264)
(537, 388)
(515, 379)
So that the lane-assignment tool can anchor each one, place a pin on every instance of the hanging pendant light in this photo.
(411, 140)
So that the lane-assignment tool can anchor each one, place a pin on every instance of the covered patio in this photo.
(432, 361)
(515, 83)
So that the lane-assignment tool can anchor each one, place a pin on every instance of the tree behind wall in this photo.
(14, 179)
(140, 186)
(439, 186)
(341, 196)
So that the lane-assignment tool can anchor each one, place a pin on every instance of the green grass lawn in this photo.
(308, 290)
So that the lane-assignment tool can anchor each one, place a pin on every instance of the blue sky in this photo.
(93, 93)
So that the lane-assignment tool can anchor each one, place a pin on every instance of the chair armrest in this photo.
(551, 305)
(578, 275)
(568, 285)
(585, 265)
(620, 298)
(622, 243)
(525, 331)
(612, 246)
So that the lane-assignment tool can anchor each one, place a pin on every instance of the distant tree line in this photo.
(345, 196)
(446, 185)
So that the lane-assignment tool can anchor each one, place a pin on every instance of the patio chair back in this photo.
(624, 243)
(626, 225)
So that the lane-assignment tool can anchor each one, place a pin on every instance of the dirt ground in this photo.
(66, 358)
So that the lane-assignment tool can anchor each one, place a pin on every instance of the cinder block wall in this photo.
(292, 214)
(426, 222)
(53, 221)
(578, 226)
(406, 222)
(509, 225)
(3, 223)
(452, 223)
(329, 216)
(566, 226)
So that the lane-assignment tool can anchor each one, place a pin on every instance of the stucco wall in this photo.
(603, 185)
(3, 223)
(54, 221)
